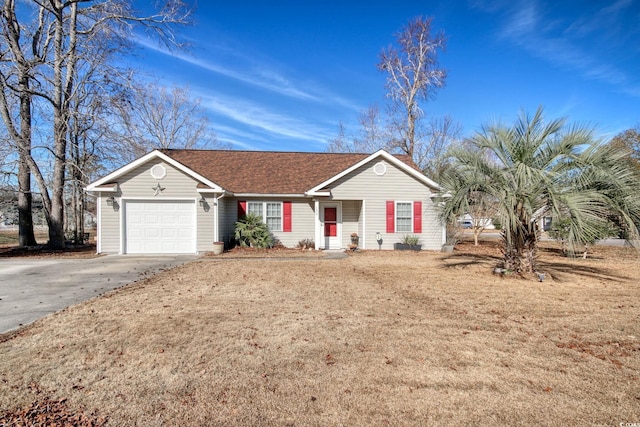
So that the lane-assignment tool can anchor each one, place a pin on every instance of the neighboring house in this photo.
(181, 201)
(467, 221)
(543, 218)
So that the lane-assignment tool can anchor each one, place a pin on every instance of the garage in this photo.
(166, 226)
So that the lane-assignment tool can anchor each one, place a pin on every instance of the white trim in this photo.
(144, 159)
(122, 227)
(210, 190)
(364, 225)
(444, 232)
(380, 168)
(269, 195)
(99, 225)
(161, 175)
(216, 218)
(338, 206)
(388, 157)
(318, 193)
(317, 223)
(106, 189)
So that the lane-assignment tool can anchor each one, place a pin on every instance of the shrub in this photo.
(410, 239)
(496, 223)
(306, 244)
(251, 231)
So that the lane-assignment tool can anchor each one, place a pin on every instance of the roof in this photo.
(262, 172)
(269, 172)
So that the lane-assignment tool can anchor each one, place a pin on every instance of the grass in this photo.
(378, 338)
(10, 237)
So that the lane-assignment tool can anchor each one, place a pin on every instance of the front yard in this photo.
(379, 338)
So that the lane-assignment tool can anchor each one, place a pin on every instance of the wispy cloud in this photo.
(606, 18)
(266, 120)
(528, 27)
(265, 79)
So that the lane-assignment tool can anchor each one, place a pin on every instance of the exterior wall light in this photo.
(110, 200)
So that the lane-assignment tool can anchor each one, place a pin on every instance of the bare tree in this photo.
(372, 134)
(152, 116)
(413, 75)
(435, 137)
(629, 140)
(87, 140)
(341, 142)
(65, 36)
(21, 54)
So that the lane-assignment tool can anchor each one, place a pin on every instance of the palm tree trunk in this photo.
(520, 254)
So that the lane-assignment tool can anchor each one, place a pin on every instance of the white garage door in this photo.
(154, 227)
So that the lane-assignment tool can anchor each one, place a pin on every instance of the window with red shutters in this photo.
(270, 212)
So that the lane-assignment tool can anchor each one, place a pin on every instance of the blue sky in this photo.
(282, 75)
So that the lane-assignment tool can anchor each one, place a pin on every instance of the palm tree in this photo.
(536, 167)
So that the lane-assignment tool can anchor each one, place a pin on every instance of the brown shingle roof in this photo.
(266, 172)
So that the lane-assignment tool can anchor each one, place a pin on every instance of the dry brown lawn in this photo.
(9, 247)
(379, 338)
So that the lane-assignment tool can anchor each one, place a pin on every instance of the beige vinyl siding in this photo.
(396, 185)
(229, 217)
(302, 219)
(222, 215)
(302, 223)
(109, 233)
(205, 227)
(351, 220)
(139, 184)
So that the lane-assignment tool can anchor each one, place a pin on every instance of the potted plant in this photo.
(218, 248)
(408, 242)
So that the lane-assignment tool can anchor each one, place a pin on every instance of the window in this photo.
(255, 208)
(404, 217)
(274, 216)
(271, 213)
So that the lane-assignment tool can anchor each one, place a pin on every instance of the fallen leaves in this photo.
(45, 411)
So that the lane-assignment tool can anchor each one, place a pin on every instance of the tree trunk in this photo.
(26, 236)
(520, 254)
(65, 61)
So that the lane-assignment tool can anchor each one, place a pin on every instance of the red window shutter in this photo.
(242, 208)
(286, 217)
(417, 217)
(391, 216)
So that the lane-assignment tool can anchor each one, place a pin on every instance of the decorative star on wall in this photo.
(157, 190)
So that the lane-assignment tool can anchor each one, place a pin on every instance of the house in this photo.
(181, 201)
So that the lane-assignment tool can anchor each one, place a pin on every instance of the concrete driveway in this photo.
(31, 288)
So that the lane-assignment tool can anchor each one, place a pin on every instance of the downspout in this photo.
(317, 222)
(216, 233)
(364, 224)
(99, 223)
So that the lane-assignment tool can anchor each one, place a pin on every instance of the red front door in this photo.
(330, 222)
